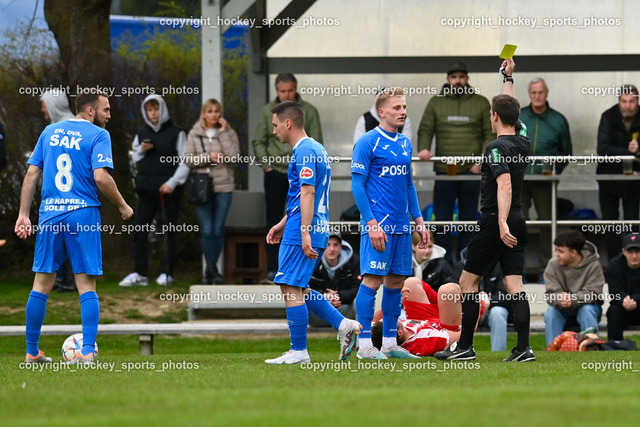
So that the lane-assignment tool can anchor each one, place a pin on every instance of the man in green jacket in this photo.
(549, 136)
(459, 119)
(274, 157)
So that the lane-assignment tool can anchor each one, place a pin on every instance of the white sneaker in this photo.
(164, 280)
(134, 279)
(348, 337)
(371, 353)
(291, 357)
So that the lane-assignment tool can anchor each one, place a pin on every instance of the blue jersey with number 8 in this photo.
(68, 152)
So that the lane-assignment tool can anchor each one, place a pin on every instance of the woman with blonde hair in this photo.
(212, 148)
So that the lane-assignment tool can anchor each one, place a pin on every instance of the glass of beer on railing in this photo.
(547, 169)
(452, 168)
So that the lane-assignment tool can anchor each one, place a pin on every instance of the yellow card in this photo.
(508, 50)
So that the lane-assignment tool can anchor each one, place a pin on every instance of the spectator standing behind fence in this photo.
(623, 278)
(459, 119)
(158, 184)
(337, 276)
(429, 263)
(274, 157)
(549, 136)
(573, 282)
(54, 106)
(212, 146)
(618, 136)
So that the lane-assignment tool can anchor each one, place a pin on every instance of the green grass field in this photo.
(225, 382)
(221, 381)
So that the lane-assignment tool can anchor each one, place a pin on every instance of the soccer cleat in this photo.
(485, 303)
(521, 356)
(348, 337)
(134, 279)
(40, 358)
(455, 353)
(397, 352)
(164, 280)
(371, 353)
(291, 357)
(79, 359)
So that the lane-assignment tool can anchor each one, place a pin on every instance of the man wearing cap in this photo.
(337, 276)
(459, 119)
(573, 285)
(623, 277)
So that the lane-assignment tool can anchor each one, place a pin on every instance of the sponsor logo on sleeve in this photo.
(495, 155)
(357, 165)
(306, 173)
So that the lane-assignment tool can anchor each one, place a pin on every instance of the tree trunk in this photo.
(81, 29)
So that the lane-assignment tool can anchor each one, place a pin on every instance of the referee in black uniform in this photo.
(502, 233)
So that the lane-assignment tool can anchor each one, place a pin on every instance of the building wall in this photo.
(426, 28)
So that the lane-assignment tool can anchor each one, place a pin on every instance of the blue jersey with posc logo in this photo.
(385, 158)
(68, 152)
(310, 165)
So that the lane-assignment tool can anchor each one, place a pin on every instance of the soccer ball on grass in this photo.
(73, 345)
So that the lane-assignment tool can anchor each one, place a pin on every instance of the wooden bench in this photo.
(235, 301)
(146, 331)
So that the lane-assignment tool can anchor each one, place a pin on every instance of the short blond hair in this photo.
(386, 93)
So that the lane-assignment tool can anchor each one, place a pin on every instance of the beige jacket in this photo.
(223, 142)
(584, 282)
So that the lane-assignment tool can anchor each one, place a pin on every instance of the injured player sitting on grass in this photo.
(430, 320)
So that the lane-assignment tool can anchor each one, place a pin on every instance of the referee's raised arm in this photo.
(507, 73)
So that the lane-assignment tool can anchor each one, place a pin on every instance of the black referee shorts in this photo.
(486, 248)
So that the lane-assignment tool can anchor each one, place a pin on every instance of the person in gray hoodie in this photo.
(157, 148)
(573, 281)
(337, 276)
(54, 106)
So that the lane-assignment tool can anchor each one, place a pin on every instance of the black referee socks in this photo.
(521, 319)
(470, 312)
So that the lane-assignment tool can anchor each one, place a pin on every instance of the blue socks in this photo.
(365, 307)
(298, 318)
(36, 309)
(391, 308)
(90, 312)
(319, 305)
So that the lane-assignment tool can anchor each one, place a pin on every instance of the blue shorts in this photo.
(295, 269)
(395, 259)
(75, 236)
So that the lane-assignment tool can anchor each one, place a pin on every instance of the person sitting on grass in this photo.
(431, 320)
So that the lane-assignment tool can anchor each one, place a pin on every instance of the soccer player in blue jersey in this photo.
(303, 234)
(74, 159)
(382, 186)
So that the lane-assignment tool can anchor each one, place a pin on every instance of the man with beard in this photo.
(618, 136)
(459, 119)
(74, 159)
